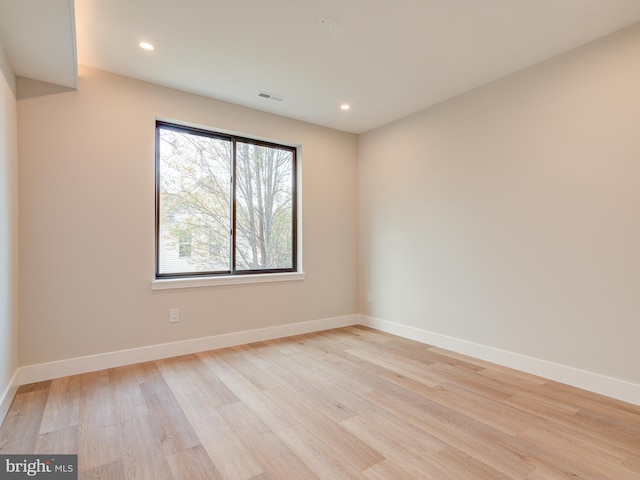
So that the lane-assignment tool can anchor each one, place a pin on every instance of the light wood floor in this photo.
(350, 403)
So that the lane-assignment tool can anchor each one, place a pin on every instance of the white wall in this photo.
(8, 232)
(87, 222)
(510, 216)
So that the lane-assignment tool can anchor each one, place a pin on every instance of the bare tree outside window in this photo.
(232, 198)
(264, 196)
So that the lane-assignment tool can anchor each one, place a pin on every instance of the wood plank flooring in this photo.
(350, 403)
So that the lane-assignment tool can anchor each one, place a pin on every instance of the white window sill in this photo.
(196, 282)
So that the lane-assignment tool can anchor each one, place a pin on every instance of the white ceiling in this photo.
(40, 40)
(387, 58)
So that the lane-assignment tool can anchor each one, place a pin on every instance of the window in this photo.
(225, 205)
(184, 243)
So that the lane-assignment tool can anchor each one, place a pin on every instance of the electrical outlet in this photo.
(174, 315)
(369, 297)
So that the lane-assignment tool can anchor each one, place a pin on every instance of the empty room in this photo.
(357, 239)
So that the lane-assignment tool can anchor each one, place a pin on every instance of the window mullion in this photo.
(234, 174)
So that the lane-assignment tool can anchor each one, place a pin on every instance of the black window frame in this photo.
(234, 139)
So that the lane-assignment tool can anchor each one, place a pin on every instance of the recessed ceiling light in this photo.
(345, 106)
(146, 46)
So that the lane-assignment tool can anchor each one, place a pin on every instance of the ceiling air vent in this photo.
(271, 96)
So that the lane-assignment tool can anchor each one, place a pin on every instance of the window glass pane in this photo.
(194, 203)
(264, 207)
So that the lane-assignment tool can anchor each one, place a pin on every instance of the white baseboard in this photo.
(74, 366)
(7, 396)
(611, 387)
(593, 382)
